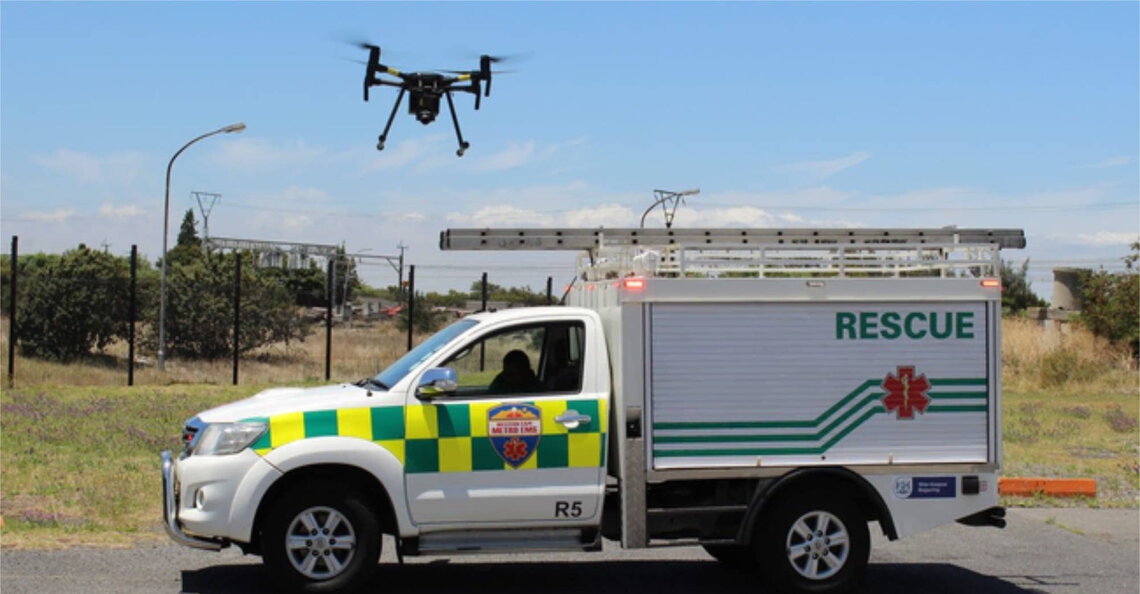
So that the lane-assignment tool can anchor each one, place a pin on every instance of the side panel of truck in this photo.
(803, 384)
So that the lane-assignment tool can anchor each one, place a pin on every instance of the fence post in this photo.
(411, 303)
(12, 313)
(237, 310)
(328, 321)
(133, 312)
(483, 291)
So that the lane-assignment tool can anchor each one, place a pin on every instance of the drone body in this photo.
(425, 89)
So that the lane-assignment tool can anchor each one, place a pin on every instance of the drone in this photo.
(426, 88)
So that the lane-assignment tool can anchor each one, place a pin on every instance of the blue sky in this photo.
(1022, 115)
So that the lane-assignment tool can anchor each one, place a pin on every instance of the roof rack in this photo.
(758, 253)
(589, 239)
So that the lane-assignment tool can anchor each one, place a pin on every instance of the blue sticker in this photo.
(926, 487)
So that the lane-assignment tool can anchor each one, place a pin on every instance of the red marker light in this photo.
(634, 283)
(991, 283)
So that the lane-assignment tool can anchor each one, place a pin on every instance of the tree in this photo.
(189, 245)
(1112, 302)
(199, 321)
(426, 320)
(1016, 296)
(516, 296)
(72, 303)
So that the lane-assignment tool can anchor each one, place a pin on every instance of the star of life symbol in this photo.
(514, 431)
(906, 393)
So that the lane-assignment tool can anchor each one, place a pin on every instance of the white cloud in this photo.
(120, 212)
(83, 168)
(1111, 162)
(605, 215)
(823, 169)
(1101, 238)
(58, 215)
(297, 222)
(503, 216)
(255, 153)
(407, 153)
(515, 155)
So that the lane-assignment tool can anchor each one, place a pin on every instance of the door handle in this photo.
(571, 419)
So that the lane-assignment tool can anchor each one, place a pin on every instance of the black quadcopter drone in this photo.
(426, 88)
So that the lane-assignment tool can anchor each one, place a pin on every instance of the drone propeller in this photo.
(373, 65)
(485, 62)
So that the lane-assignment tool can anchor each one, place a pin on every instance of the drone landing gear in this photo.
(392, 116)
(463, 145)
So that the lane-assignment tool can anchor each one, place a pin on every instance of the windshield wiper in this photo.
(371, 382)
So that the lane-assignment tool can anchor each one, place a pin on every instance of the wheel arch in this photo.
(354, 476)
(865, 496)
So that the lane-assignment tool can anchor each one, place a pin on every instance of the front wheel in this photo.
(325, 540)
(816, 543)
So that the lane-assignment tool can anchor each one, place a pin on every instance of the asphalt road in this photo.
(1041, 551)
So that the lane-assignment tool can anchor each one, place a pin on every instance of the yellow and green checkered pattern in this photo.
(449, 437)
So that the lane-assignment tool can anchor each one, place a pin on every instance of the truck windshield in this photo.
(409, 362)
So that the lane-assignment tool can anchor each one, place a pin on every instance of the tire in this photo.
(737, 557)
(814, 542)
(321, 537)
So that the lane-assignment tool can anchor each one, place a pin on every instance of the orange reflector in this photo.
(991, 283)
(634, 283)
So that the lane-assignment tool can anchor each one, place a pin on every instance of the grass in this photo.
(80, 464)
(79, 457)
(361, 350)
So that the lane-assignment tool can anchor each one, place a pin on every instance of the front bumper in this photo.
(170, 510)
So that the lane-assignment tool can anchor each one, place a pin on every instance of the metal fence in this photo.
(318, 310)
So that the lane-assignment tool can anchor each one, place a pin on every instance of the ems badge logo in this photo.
(906, 393)
(514, 430)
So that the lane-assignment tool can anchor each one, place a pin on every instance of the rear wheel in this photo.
(324, 539)
(814, 543)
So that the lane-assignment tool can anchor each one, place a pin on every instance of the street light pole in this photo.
(238, 127)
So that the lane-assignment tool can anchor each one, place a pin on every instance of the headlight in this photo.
(219, 439)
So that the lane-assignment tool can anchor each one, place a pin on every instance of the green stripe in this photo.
(952, 408)
(770, 424)
(948, 395)
(965, 381)
(764, 438)
(772, 451)
(835, 407)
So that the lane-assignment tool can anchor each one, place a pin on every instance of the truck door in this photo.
(524, 443)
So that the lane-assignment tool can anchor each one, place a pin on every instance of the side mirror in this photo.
(437, 382)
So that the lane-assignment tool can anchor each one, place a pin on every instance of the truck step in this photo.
(503, 541)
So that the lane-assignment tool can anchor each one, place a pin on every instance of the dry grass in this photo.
(357, 351)
(1071, 361)
(1070, 409)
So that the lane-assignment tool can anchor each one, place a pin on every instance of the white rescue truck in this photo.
(763, 393)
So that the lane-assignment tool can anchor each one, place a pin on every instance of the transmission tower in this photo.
(206, 202)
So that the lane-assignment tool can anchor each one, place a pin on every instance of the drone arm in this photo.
(462, 144)
(372, 79)
(391, 117)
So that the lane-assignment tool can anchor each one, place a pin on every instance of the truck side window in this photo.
(543, 358)
(478, 365)
(562, 367)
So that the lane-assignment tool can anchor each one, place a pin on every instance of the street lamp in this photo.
(238, 127)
